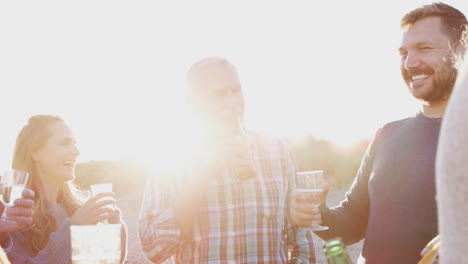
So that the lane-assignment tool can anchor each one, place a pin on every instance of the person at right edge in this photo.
(452, 175)
(391, 203)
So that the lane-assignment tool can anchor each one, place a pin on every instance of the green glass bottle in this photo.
(335, 252)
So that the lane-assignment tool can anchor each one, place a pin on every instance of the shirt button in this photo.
(231, 233)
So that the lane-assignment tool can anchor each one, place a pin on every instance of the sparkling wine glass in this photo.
(310, 186)
(92, 244)
(12, 183)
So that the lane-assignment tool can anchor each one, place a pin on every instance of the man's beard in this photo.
(443, 81)
(224, 124)
(443, 85)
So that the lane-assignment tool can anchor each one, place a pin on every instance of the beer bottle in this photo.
(335, 252)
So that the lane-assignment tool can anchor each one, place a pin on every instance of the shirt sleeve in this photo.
(300, 240)
(159, 232)
(452, 174)
(349, 219)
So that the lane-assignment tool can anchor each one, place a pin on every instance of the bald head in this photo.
(209, 72)
(215, 93)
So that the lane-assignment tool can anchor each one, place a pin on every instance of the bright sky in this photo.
(114, 70)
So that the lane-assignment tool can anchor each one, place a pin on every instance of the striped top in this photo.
(58, 249)
(240, 221)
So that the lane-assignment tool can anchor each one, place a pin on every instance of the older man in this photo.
(230, 204)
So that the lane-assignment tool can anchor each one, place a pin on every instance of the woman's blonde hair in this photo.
(33, 136)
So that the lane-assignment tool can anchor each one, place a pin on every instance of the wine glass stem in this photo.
(4, 216)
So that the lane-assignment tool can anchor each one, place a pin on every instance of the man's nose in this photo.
(412, 61)
(76, 151)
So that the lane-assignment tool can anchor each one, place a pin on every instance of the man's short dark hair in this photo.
(454, 22)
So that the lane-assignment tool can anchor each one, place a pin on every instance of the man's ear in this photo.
(462, 45)
(460, 49)
(458, 53)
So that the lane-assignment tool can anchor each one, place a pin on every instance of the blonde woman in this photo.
(46, 148)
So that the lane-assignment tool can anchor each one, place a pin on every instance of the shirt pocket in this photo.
(264, 196)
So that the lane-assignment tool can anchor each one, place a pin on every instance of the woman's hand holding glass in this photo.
(98, 208)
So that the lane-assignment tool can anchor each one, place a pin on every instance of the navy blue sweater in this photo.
(391, 203)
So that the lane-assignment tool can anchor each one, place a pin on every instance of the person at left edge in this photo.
(21, 219)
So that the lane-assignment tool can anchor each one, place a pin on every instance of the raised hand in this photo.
(20, 215)
(115, 218)
(303, 213)
(95, 209)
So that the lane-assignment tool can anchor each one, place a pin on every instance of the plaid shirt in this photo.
(240, 221)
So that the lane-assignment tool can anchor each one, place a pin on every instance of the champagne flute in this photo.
(101, 188)
(12, 184)
(92, 244)
(310, 186)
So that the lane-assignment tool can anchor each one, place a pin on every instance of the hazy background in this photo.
(324, 75)
(115, 69)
